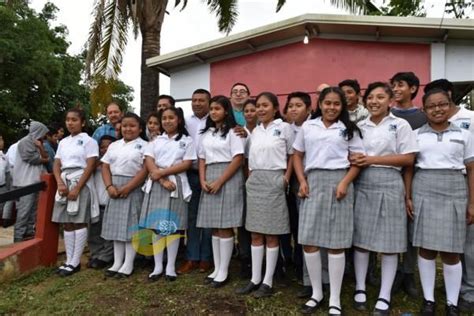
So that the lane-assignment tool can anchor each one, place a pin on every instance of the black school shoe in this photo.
(306, 309)
(97, 264)
(335, 308)
(263, 291)
(247, 289)
(451, 310)
(428, 308)
(360, 306)
(69, 270)
(382, 312)
(219, 284)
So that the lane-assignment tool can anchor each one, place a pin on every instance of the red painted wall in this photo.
(303, 67)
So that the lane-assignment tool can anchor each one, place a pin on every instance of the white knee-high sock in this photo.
(79, 244)
(257, 261)
(69, 241)
(216, 253)
(127, 267)
(452, 282)
(158, 250)
(336, 263)
(271, 262)
(172, 246)
(427, 270)
(389, 270)
(361, 264)
(226, 248)
(119, 255)
(313, 264)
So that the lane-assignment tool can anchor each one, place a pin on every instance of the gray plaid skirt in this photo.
(83, 215)
(163, 213)
(440, 203)
(380, 220)
(224, 209)
(324, 221)
(121, 216)
(267, 212)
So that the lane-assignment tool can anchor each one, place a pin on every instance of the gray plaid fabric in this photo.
(224, 209)
(380, 220)
(324, 221)
(267, 212)
(467, 286)
(121, 216)
(439, 202)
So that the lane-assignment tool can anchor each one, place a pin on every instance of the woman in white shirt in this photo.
(267, 213)
(322, 166)
(438, 197)
(76, 200)
(380, 222)
(123, 172)
(167, 191)
(221, 177)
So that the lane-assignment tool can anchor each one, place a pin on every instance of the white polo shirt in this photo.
(392, 136)
(463, 119)
(167, 151)
(449, 149)
(194, 125)
(270, 147)
(326, 147)
(125, 158)
(214, 148)
(73, 151)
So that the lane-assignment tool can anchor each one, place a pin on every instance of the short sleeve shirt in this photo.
(463, 119)
(168, 151)
(125, 158)
(214, 148)
(73, 151)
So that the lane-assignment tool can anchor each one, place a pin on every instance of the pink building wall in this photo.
(303, 67)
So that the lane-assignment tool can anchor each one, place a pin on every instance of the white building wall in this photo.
(184, 82)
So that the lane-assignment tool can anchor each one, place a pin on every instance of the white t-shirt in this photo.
(449, 149)
(326, 147)
(11, 156)
(125, 158)
(463, 119)
(214, 148)
(391, 136)
(167, 151)
(194, 125)
(270, 147)
(73, 151)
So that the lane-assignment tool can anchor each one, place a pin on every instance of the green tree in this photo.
(113, 19)
(458, 8)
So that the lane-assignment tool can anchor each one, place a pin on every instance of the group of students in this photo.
(358, 175)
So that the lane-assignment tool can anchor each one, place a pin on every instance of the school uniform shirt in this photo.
(125, 158)
(463, 119)
(214, 148)
(3, 168)
(449, 149)
(270, 146)
(167, 151)
(326, 147)
(194, 125)
(391, 136)
(73, 151)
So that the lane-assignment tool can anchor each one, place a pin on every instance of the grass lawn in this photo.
(88, 292)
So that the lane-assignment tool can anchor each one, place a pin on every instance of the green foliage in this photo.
(400, 8)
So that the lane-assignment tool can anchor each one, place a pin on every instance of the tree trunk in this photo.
(152, 16)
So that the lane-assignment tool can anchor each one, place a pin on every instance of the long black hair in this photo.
(351, 127)
(273, 100)
(229, 119)
(140, 121)
(181, 123)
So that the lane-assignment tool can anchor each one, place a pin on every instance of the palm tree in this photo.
(113, 18)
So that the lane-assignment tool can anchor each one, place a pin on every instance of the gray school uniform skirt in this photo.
(324, 221)
(380, 220)
(224, 209)
(163, 213)
(439, 203)
(121, 216)
(267, 212)
(83, 215)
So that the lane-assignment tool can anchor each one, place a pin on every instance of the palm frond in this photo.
(95, 35)
(280, 4)
(178, 2)
(226, 12)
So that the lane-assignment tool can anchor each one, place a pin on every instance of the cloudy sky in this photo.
(189, 27)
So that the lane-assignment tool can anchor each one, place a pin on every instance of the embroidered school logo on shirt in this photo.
(343, 133)
(138, 146)
(392, 128)
(276, 132)
(465, 125)
(80, 142)
(182, 144)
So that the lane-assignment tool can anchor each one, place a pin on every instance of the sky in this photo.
(191, 26)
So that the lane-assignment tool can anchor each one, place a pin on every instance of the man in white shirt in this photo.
(165, 102)
(198, 248)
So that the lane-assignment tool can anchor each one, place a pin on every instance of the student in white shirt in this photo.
(76, 202)
(321, 163)
(167, 191)
(438, 197)
(250, 115)
(123, 172)
(379, 207)
(267, 213)
(153, 127)
(220, 171)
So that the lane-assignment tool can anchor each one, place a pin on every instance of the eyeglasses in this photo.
(241, 91)
(431, 107)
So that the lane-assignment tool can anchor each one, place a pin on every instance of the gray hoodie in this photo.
(28, 165)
